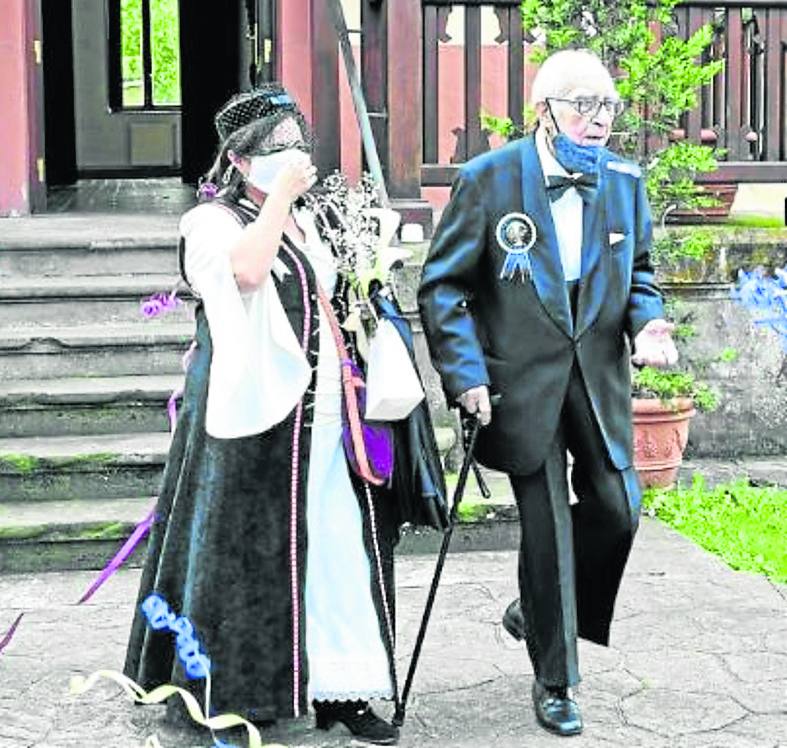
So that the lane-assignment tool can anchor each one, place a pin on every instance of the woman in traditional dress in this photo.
(277, 553)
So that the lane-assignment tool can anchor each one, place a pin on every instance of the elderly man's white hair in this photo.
(568, 70)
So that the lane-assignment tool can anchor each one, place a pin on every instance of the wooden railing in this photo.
(470, 139)
(743, 111)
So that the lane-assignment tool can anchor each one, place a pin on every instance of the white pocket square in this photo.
(614, 238)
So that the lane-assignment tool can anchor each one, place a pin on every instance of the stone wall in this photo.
(752, 415)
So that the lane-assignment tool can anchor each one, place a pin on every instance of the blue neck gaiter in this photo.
(576, 158)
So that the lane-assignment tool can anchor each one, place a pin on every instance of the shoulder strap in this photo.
(350, 380)
(244, 211)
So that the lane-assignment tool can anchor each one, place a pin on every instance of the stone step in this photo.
(96, 466)
(73, 245)
(100, 466)
(93, 350)
(84, 534)
(49, 301)
(95, 405)
(67, 535)
(126, 258)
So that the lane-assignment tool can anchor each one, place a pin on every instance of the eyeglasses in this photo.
(590, 106)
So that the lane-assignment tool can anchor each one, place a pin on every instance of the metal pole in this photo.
(361, 111)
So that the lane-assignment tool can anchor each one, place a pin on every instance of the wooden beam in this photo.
(473, 142)
(473, 3)
(736, 171)
(516, 67)
(326, 120)
(735, 87)
(405, 98)
(774, 85)
(431, 86)
(374, 74)
(22, 188)
(746, 171)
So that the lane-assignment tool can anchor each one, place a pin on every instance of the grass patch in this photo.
(756, 222)
(18, 463)
(745, 525)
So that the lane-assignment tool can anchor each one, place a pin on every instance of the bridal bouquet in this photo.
(360, 232)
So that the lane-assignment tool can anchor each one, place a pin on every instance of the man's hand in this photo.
(654, 346)
(476, 401)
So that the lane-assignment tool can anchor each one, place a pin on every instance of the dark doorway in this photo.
(213, 59)
(58, 59)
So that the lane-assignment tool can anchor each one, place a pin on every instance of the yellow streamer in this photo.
(80, 685)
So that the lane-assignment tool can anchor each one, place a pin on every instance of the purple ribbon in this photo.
(159, 303)
(207, 191)
(122, 555)
(172, 403)
(6, 640)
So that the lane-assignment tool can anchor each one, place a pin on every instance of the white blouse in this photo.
(258, 372)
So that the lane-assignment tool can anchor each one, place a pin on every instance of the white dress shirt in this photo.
(567, 213)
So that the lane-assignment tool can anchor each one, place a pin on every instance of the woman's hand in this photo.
(297, 176)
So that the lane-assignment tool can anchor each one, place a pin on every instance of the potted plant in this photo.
(663, 403)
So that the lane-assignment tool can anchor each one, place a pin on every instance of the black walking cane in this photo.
(471, 433)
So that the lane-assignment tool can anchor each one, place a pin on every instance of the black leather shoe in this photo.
(358, 718)
(514, 620)
(556, 711)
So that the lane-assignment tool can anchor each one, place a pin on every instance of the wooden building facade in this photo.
(428, 68)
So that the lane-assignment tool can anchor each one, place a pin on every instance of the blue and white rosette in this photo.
(516, 235)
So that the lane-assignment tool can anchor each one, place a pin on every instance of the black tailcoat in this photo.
(519, 336)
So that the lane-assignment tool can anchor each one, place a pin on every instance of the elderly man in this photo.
(537, 286)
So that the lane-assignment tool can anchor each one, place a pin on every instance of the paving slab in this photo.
(770, 470)
(696, 660)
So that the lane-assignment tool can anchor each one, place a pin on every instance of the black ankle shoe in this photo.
(556, 711)
(358, 718)
(514, 620)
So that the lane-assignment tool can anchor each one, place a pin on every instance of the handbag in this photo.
(417, 488)
(393, 388)
(368, 447)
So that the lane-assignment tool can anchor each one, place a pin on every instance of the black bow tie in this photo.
(585, 184)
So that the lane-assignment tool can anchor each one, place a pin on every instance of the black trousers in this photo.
(572, 558)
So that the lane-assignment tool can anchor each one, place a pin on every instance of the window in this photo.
(144, 54)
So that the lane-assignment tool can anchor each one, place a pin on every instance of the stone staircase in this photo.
(85, 378)
(84, 382)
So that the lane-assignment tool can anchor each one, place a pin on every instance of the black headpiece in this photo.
(244, 108)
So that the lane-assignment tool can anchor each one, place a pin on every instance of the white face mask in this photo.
(264, 169)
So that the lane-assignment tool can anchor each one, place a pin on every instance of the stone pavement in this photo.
(698, 660)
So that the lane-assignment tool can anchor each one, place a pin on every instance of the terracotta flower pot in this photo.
(661, 431)
(723, 192)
